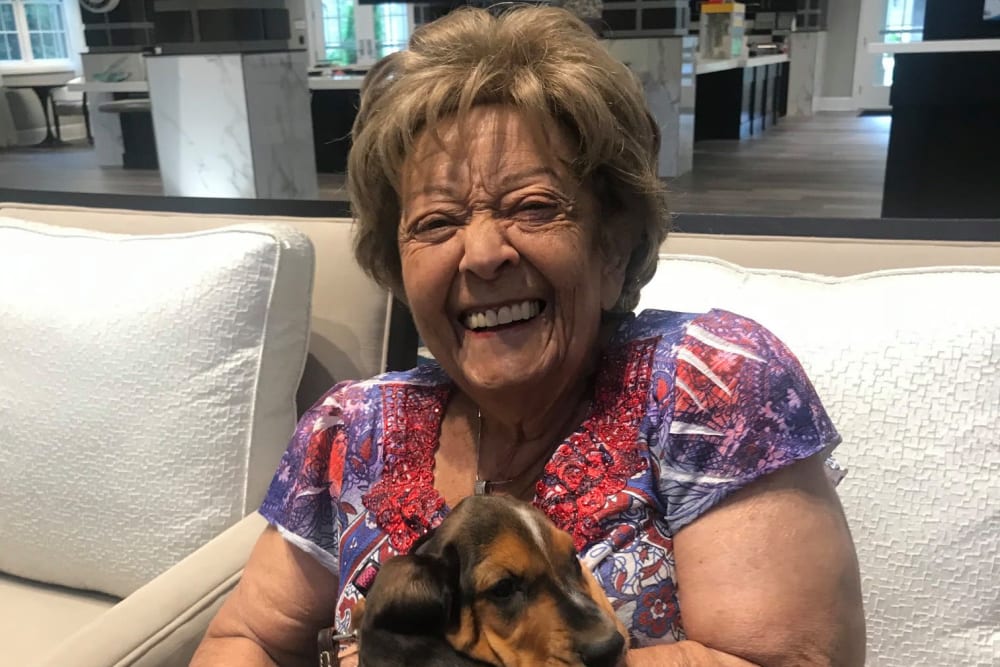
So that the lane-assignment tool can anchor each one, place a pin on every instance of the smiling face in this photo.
(499, 256)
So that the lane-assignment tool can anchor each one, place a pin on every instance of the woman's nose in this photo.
(487, 249)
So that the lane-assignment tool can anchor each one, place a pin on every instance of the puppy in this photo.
(496, 584)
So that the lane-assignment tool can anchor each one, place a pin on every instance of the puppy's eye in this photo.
(504, 589)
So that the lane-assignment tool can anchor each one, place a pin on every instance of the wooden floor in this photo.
(831, 165)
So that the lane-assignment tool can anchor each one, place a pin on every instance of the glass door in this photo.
(888, 21)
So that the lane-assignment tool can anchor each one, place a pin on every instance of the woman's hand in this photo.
(683, 654)
(770, 576)
(349, 658)
(275, 613)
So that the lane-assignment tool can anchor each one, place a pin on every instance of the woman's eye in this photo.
(537, 210)
(433, 226)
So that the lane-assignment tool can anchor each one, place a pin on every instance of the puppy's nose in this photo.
(603, 652)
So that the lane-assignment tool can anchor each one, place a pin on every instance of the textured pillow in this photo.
(147, 389)
(908, 365)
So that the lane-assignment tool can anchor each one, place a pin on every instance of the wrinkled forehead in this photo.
(486, 144)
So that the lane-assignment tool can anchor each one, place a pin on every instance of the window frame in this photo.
(366, 48)
(72, 31)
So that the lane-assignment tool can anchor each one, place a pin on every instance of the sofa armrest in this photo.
(162, 623)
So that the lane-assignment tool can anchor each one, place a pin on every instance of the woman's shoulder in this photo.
(353, 396)
(714, 327)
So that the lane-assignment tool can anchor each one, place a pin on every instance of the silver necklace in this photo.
(484, 487)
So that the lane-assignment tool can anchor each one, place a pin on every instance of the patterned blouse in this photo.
(687, 409)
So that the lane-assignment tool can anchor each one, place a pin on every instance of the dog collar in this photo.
(330, 644)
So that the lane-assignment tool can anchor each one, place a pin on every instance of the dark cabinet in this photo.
(741, 102)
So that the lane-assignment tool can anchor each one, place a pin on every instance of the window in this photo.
(10, 41)
(342, 30)
(32, 30)
(392, 28)
(904, 22)
(339, 42)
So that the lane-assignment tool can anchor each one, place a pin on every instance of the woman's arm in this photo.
(769, 577)
(683, 654)
(283, 600)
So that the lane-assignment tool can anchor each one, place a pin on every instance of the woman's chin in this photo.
(504, 375)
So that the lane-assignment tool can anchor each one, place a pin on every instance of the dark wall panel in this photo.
(958, 19)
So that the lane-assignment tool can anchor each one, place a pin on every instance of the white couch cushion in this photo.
(147, 389)
(34, 617)
(907, 364)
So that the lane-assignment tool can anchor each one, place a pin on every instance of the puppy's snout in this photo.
(604, 651)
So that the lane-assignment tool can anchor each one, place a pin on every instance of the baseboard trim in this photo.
(834, 104)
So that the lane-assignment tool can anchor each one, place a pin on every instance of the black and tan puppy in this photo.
(497, 583)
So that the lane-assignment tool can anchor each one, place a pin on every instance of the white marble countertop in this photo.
(937, 46)
(710, 66)
(80, 84)
(16, 79)
(339, 82)
(336, 82)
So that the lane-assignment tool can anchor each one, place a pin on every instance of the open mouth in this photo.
(494, 319)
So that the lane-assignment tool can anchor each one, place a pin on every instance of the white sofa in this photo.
(929, 581)
(161, 621)
(906, 358)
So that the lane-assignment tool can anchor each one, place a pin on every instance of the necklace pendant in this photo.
(481, 488)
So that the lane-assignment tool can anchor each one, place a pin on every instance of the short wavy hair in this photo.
(544, 62)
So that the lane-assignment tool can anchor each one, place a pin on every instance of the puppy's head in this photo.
(504, 586)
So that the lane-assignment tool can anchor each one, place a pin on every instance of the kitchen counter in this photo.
(937, 46)
(712, 66)
(737, 98)
(336, 82)
(79, 84)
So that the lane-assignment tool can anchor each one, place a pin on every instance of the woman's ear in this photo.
(615, 264)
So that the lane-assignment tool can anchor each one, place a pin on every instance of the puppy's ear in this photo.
(441, 546)
(422, 540)
(411, 595)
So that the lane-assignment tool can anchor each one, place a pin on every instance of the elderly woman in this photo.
(503, 176)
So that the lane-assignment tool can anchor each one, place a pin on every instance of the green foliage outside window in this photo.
(340, 43)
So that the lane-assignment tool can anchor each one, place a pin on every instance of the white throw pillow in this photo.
(147, 389)
(907, 364)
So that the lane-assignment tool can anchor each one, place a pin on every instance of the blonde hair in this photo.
(544, 62)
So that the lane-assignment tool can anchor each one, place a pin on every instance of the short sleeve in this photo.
(742, 408)
(303, 493)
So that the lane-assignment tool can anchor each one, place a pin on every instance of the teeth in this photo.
(504, 315)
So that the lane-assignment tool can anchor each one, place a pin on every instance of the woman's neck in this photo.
(516, 415)
(515, 431)
(513, 446)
